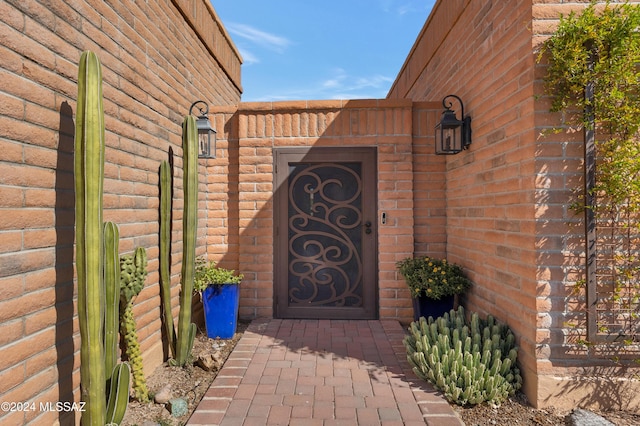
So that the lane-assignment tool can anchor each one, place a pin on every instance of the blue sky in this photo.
(321, 49)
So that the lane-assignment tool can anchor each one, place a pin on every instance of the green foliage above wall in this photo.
(593, 78)
(603, 48)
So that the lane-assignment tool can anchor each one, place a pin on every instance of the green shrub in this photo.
(433, 278)
(470, 362)
(209, 274)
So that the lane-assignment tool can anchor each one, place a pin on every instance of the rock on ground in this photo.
(581, 417)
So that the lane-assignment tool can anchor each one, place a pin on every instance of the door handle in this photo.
(367, 226)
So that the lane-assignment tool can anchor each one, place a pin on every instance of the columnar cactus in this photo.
(165, 251)
(118, 392)
(470, 363)
(112, 291)
(186, 329)
(95, 319)
(133, 272)
(89, 174)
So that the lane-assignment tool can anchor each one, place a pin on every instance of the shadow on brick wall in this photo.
(64, 229)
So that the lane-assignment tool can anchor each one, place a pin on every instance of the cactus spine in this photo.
(89, 174)
(133, 272)
(186, 329)
(165, 251)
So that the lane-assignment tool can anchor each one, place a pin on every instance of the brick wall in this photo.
(153, 56)
(488, 197)
(563, 362)
(499, 209)
(241, 183)
(507, 216)
(429, 183)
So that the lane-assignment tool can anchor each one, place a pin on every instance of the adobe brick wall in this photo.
(240, 224)
(158, 58)
(507, 197)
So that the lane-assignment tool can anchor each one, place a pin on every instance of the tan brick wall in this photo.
(241, 187)
(155, 65)
(507, 216)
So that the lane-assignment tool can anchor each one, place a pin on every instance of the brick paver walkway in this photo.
(321, 372)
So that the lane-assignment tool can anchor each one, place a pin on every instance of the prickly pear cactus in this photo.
(469, 362)
(133, 272)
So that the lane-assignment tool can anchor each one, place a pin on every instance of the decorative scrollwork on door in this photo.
(325, 235)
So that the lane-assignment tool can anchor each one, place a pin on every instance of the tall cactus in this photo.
(89, 175)
(165, 252)
(133, 272)
(186, 329)
(96, 253)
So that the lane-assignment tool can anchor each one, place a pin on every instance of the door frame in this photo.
(367, 156)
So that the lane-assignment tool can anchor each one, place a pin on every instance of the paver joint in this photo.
(324, 372)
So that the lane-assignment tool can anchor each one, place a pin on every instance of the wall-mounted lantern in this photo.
(452, 134)
(206, 133)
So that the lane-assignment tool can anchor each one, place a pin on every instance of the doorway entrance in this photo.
(325, 233)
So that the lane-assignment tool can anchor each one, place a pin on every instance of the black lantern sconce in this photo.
(452, 135)
(206, 133)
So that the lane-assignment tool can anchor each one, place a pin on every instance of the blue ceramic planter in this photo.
(220, 304)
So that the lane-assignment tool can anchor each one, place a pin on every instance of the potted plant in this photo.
(220, 294)
(434, 284)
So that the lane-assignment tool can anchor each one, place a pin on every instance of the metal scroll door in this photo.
(325, 233)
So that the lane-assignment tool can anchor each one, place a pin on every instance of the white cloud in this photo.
(339, 84)
(375, 81)
(336, 80)
(342, 85)
(258, 37)
(248, 57)
(403, 10)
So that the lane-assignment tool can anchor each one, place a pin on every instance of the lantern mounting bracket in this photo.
(206, 133)
(452, 135)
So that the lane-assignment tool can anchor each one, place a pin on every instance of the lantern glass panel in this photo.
(448, 139)
(204, 143)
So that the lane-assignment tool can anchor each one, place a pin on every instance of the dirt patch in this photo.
(517, 411)
(190, 382)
